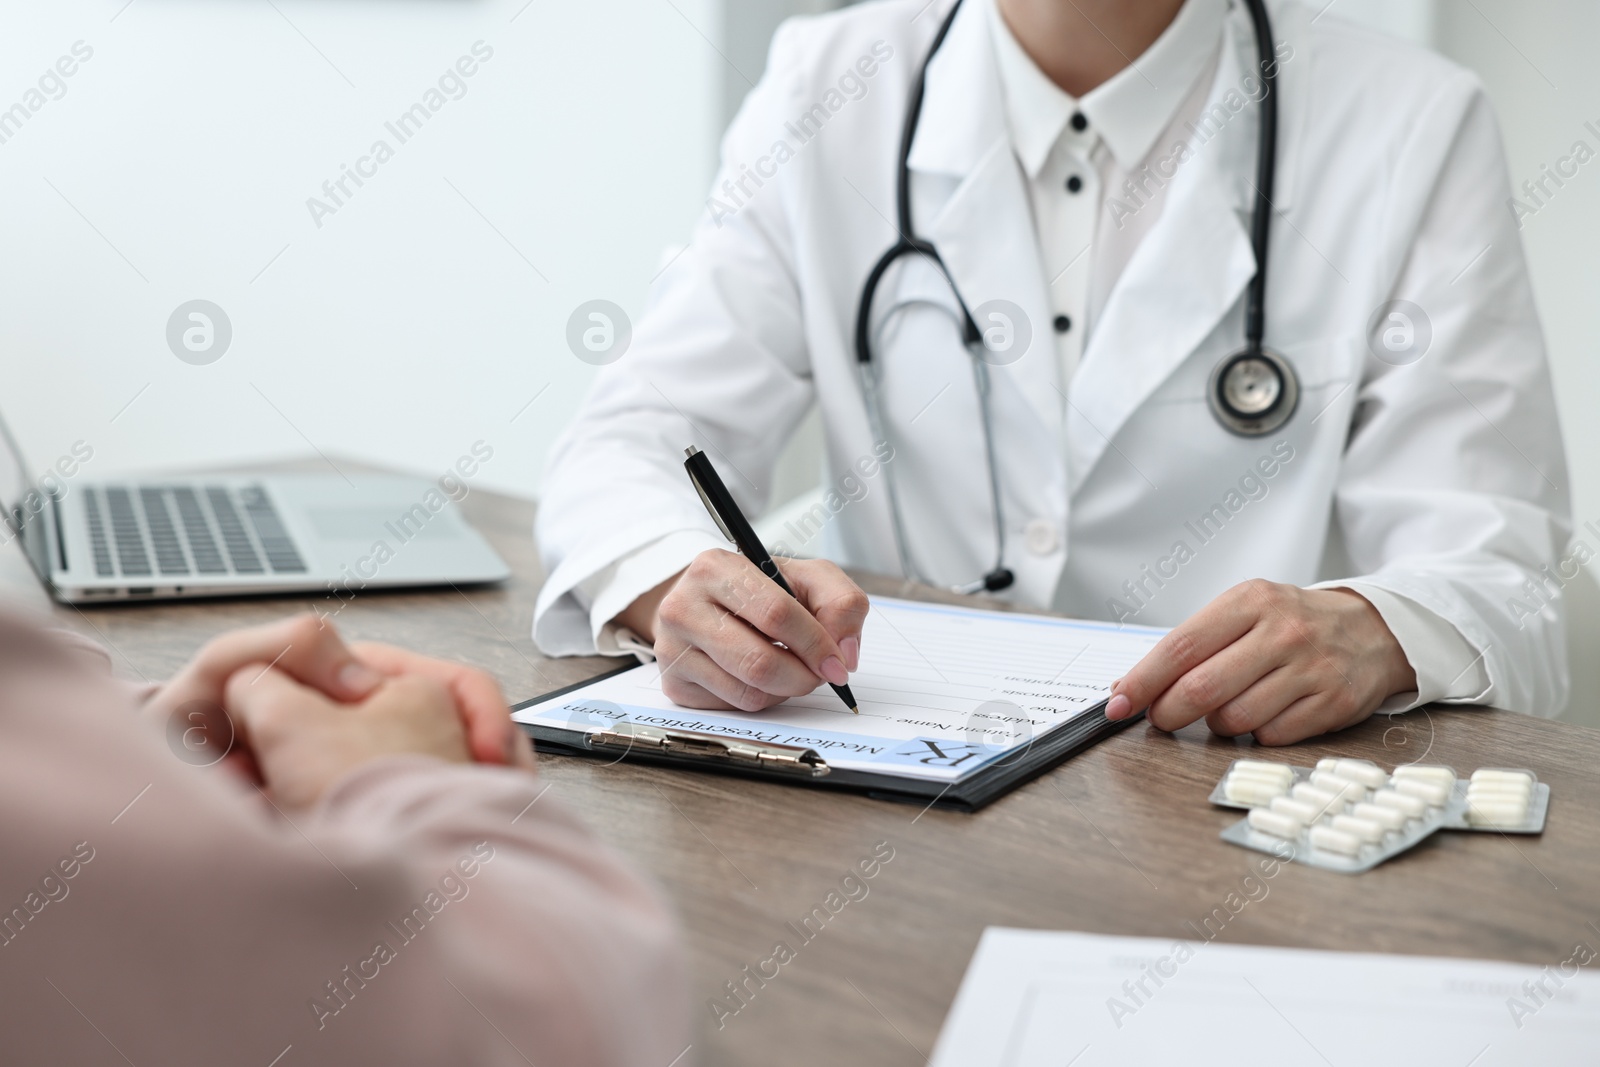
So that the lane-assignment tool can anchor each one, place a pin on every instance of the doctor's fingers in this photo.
(687, 694)
(1224, 677)
(737, 587)
(1261, 702)
(1321, 712)
(693, 679)
(754, 660)
(1199, 637)
(837, 602)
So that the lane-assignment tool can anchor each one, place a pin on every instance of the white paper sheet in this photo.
(942, 690)
(1033, 998)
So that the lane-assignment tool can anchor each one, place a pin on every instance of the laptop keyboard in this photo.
(173, 530)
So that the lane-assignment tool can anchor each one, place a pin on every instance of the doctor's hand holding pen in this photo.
(728, 637)
(1275, 660)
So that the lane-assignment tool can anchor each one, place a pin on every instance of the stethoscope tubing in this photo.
(909, 244)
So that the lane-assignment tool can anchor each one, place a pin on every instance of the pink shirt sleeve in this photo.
(422, 913)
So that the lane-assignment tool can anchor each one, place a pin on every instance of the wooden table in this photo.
(1119, 840)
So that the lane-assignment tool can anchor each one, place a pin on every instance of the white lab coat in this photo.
(1442, 481)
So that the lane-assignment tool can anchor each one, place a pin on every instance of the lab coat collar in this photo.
(1129, 111)
(963, 114)
(964, 110)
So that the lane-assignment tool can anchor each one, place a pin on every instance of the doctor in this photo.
(1184, 313)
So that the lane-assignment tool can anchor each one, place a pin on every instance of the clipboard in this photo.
(959, 707)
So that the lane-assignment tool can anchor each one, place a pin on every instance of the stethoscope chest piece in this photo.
(1253, 392)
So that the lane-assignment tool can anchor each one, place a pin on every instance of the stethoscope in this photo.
(1251, 392)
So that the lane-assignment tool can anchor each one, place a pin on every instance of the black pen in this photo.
(736, 528)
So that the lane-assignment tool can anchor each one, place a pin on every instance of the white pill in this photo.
(1251, 791)
(1329, 764)
(1320, 799)
(1347, 793)
(1257, 766)
(1499, 800)
(1365, 829)
(1511, 804)
(1501, 789)
(1296, 809)
(1431, 793)
(1280, 784)
(1271, 822)
(1490, 775)
(1388, 818)
(1338, 783)
(1412, 807)
(1496, 814)
(1488, 803)
(1426, 772)
(1368, 774)
(1326, 837)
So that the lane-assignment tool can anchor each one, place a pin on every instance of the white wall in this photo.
(178, 164)
(1536, 58)
(1537, 61)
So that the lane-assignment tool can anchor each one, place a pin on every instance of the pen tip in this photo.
(855, 709)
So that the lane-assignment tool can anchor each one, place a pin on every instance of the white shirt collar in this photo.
(1129, 110)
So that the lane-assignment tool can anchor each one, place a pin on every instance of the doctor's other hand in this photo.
(1278, 661)
(727, 637)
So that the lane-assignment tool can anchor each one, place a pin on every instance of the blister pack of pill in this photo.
(1494, 799)
(1344, 815)
(1350, 815)
(1509, 801)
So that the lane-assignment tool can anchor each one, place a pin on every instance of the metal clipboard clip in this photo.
(792, 759)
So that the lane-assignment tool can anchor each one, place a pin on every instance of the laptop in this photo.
(209, 536)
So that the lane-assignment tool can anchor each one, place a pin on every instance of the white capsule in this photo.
(1388, 818)
(1490, 800)
(1412, 807)
(1489, 774)
(1365, 829)
(1296, 809)
(1521, 790)
(1262, 767)
(1326, 837)
(1251, 791)
(1431, 793)
(1518, 809)
(1328, 764)
(1368, 774)
(1339, 786)
(1496, 814)
(1493, 798)
(1332, 781)
(1431, 773)
(1271, 822)
(1320, 799)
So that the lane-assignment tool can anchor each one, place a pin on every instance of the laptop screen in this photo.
(24, 504)
(14, 483)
